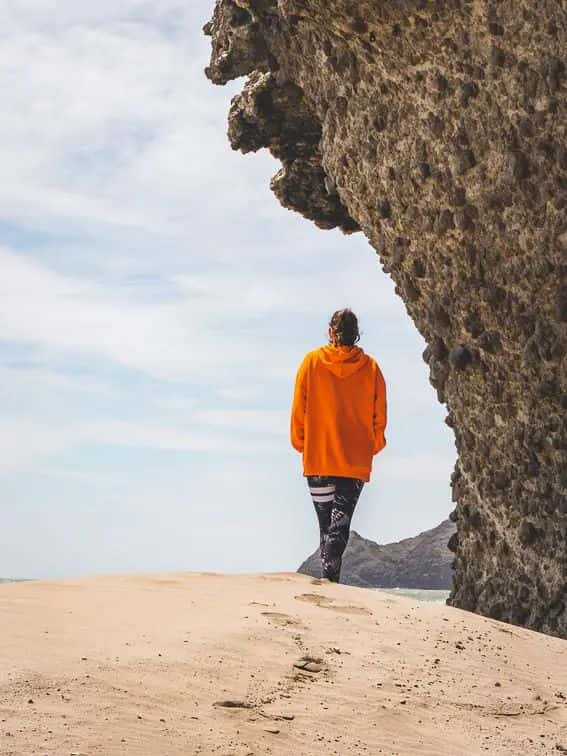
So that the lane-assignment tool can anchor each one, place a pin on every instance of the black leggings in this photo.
(334, 499)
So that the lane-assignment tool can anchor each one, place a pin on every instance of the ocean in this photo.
(437, 596)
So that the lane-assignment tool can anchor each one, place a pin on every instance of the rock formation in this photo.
(439, 130)
(423, 561)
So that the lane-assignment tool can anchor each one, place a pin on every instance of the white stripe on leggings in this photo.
(323, 499)
(322, 489)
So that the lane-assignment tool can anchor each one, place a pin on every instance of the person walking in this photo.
(338, 419)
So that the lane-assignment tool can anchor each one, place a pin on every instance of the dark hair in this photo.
(345, 327)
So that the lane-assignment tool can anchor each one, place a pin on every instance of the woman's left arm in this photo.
(379, 418)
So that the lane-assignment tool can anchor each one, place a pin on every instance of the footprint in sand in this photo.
(328, 603)
(310, 663)
(279, 618)
(233, 704)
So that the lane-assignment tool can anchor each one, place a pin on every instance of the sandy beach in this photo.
(276, 663)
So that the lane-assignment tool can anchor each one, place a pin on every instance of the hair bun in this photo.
(344, 325)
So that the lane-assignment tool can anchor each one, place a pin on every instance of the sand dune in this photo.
(278, 663)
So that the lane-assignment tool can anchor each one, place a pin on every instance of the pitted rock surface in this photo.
(439, 130)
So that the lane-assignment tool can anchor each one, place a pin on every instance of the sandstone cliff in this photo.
(423, 561)
(438, 129)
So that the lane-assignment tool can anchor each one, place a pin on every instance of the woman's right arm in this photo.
(379, 418)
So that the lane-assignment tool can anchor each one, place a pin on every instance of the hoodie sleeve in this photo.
(380, 412)
(299, 404)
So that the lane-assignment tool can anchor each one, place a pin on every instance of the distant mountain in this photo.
(423, 561)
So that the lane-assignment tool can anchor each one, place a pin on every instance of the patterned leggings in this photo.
(334, 499)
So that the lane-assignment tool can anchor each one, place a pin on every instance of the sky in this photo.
(155, 303)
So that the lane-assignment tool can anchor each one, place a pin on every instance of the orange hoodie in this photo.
(338, 413)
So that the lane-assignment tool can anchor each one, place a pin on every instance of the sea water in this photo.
(438, 596)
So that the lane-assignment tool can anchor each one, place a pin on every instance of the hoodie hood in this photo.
(343, 360)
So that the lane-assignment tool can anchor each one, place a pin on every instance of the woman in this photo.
(338, 419)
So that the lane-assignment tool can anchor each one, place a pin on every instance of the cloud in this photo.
(26, 381)
(140, 435)
(25, 442)
(110, 120)
(267, 422)
(172, 337)
(167, 16)
(176, 327)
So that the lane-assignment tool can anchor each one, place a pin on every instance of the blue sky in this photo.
(155, 302)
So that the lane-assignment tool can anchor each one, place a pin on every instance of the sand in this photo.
(201, 663)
